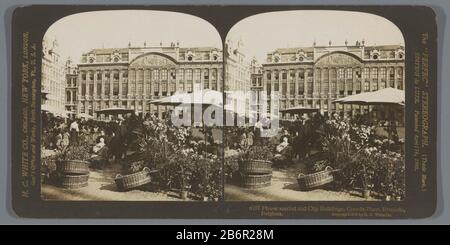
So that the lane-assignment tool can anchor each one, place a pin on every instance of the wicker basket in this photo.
(73, 181)
(254, 181)
(310, 181)
(129, 181)
(255, 167)
(72, 167)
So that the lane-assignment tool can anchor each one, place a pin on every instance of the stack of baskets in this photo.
(255, 173)
(72, 174)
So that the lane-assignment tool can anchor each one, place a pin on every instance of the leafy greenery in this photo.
(257, 152)
(363, 157)
(182, 163)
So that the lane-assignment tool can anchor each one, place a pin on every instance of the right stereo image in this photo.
(315, 108)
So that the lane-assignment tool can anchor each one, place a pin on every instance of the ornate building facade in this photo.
(132, 77)
(237, 78)
(71, 86)
(256, 79)
(315, 76)
(53, 77)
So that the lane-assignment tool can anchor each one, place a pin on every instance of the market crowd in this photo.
(106, 140)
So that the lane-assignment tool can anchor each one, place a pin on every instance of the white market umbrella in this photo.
(114, 111)
(84, 115)
(55, 111)
(389, 96)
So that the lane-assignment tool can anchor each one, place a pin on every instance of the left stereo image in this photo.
(130, 101)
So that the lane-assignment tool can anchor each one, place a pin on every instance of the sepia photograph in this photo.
(322, 116)
(224, 112)
(121, 94)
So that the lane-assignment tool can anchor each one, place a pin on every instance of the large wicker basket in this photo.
(130, 181)
(73, 181)
(72, 167)
(255, 167)
(254, 181)
(311, 181)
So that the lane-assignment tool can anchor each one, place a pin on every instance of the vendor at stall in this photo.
(283, 154)
(99, 155)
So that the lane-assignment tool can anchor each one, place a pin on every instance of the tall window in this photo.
(83, 88)
(163, 75)
(155, 75)
(400, 78)
(107, 88)
(374, 85)
(349, 86)
(333, 86)
(310, 86)
(349, 73)
(292, 89)
(325, 87)
(189, 87)
(391, 77)
(323, 75)
(374, 73)
(91, 87)
(301, 75)
(383, 73)
(366, 73)
(341, 86)
(99, 88)
(116, 87)
(140, 82)
(189, 74)
(132, 87)
(180, 75)
(340, 73)
(366, 86)
(125, 88)
(197, 75)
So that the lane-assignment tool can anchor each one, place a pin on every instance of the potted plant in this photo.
(367, 162)
(185, 177)
(179, 171)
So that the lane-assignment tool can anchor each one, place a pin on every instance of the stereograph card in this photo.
(279, 112)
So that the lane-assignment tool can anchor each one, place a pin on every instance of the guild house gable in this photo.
(338, 58)
(153, 60)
